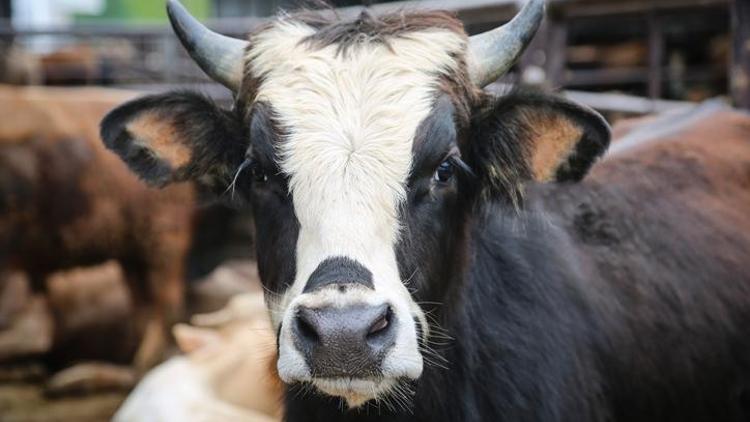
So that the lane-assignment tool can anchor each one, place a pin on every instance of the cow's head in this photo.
(363, 147)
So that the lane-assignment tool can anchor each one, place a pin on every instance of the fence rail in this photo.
(157, 59)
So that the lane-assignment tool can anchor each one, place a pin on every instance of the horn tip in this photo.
(173, 7)
(180, 19)
(539, 6)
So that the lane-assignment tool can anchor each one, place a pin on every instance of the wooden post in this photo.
(170, 59)
(655, 55)
(556, 54)
(5, 7)
(739, 71)
(535, 58)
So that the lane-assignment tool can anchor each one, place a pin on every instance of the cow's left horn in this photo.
(492, 53)
(221, 57)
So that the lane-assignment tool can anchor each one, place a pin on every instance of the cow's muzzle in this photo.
(350, 334)
(347, 342)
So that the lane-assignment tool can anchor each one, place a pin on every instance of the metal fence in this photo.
(149, 57)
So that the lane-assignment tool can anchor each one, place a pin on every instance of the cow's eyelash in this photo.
(460, 165)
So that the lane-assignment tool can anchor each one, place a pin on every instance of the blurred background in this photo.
(96, 268)
(659, 49)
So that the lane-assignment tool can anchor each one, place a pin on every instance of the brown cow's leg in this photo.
(147, 325)
(154, 341)
(17, 340)
(14, 295)
(153, 344)
(165, 287)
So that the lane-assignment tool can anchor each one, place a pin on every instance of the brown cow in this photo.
(65, 201)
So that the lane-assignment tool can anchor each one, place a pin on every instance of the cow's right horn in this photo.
(221, 57)
(492, 53)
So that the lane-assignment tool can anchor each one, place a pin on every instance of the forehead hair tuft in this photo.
(367, 28)
(331, 29)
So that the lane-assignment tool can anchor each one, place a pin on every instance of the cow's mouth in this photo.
(356, 391)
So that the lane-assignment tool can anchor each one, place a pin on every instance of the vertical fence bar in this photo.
(655, 55)
(534, 60)
(169, 57)
(739, 73)
(556, 52)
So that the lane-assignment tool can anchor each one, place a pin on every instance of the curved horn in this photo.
(492, 53)
(220, 57)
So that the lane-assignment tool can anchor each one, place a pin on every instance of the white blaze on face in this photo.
(349, 122)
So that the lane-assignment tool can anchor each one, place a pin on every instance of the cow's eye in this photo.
(444, 172)
(258, 173)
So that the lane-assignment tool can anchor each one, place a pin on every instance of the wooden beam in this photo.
(590, 8)
(5, 9)
(610, 102)
(470, 11)
(739, 76)
(535, 58)
(606, 76)
(655, 55)
(607, 102)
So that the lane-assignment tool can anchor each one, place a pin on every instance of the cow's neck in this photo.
(523, 265)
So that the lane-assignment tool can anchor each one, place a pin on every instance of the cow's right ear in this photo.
(176, 137)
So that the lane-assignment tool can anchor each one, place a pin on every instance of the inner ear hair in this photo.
(552, 138)
(592, 144)
(177, 136)
(158, 132)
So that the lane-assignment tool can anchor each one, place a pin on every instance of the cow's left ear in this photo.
(176, 137)
(530, 136)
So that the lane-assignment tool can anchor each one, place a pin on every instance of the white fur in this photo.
(355, 391)
(350, 121)
(176, 391)
(224, 377)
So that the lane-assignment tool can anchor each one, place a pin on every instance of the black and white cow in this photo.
(407, 274)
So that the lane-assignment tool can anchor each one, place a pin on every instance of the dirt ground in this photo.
(23, 399)
(94, 390)
(25, 402)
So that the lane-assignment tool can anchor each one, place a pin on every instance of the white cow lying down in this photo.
(226, 374)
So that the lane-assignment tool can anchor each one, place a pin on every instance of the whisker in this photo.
(408, 279)
(232, 185)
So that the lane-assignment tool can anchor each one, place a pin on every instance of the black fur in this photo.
(536, 328)
(541, 333)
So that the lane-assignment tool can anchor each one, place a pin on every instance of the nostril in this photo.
(381, 323)
(306, 330)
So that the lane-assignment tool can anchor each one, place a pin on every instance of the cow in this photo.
(227, 372)
(66, 201)
(431, 251)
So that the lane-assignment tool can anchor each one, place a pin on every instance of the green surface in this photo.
(145, 10)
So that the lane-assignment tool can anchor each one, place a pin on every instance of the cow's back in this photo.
(668, 197)
(66, 199)
(662, 226)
